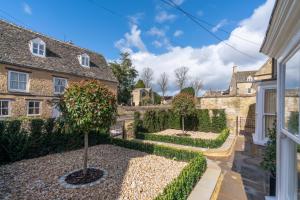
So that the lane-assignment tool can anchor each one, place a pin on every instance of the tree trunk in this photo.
(182, 119)
(85, 156)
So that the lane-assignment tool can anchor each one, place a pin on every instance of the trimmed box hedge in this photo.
(185, 140)
(182, 186)
(200, 120)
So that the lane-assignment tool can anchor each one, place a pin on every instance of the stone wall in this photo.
(235, 106)
(41, 88)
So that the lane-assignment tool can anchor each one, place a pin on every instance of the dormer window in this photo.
(38, 47)
(249, 79)
(84, 60)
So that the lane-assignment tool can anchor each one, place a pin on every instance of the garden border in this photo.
(196, 142)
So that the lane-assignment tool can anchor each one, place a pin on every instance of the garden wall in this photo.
(234, 106)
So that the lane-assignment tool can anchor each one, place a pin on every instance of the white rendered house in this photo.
(282, 42)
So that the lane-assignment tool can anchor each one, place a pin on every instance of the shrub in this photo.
(137, 123)
(189, 91)
(204, 123)
(49, 125)
(197, 142)
(218, 121)
(150, 122)
(184, 105)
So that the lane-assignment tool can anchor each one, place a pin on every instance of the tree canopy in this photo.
(189, 91)
(140, 84)
(125, 73)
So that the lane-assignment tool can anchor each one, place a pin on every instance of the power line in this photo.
(172, 4)
(126, 18)
(221, 29)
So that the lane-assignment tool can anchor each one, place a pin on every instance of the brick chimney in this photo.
(234, 69)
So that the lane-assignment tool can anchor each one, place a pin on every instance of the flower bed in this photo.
(197, 142)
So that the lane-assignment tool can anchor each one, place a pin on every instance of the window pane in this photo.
(4, 112)
(30, 111)
(31, 104)
(292, 83)
(41, 52)
(37, 104)
(13, 84)
(36, 111)
(35, 50)
(269, 123)
(35, 45)
(4, 104)
(270, 101)
(22, 86)
(22, 77)
(13, 76)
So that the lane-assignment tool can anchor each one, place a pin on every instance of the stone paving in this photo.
(243, 177)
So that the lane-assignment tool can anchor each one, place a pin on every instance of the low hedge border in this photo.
(182, 186)
(196, 142)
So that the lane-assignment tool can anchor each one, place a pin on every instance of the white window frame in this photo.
(286, 151)
(17, 90)
(40, 108)
(9, 108)
(85, 56)
(39, 42)
(249, 79)
(54, 78)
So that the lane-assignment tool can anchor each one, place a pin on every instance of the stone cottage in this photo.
(35, 70)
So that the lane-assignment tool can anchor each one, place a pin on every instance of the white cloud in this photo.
(213, 63)
(27, 9)
(135, 19)
(163, 16)
(178, 2)
(131, 40)
(178, 33)
(154, 31)
(222, 23)
(157, 43)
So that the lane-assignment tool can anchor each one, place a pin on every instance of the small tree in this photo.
(89, 105)
(183, 104)
(181, 76)
(140, 84)
(188, 90)
(163, 83)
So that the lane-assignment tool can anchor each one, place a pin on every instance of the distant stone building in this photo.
(141, 96)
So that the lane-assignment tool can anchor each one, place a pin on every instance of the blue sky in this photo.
(152, 31)
(87, 25)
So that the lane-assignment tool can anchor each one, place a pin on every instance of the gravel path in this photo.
(132, 175)
(193, 134)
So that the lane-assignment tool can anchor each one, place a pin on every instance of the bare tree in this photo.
(197, 84)
(181, 76)
(163, 83)
(147, 76)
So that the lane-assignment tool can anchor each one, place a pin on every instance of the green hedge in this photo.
(185, 140)
(200, 120)
(41, 138)
(180, 187)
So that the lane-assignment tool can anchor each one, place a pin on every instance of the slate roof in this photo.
(60, 57)
(241, 77)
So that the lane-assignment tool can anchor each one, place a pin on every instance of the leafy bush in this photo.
(137, 123)
(189, 91)
(204, 123)
(218, 121)
(269, 159)
(197, 142)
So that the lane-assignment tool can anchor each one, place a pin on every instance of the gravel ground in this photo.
(132, 175)
(193, 134)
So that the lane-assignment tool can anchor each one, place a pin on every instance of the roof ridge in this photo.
(49, 37)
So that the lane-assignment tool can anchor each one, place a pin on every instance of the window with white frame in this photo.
(292, 89)
(17, 81)
(249, 90)
(269, 114)
(59, 85)
(249, 79)
(38, 47)
(4, 108)
(33, 108)
(84, 60)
